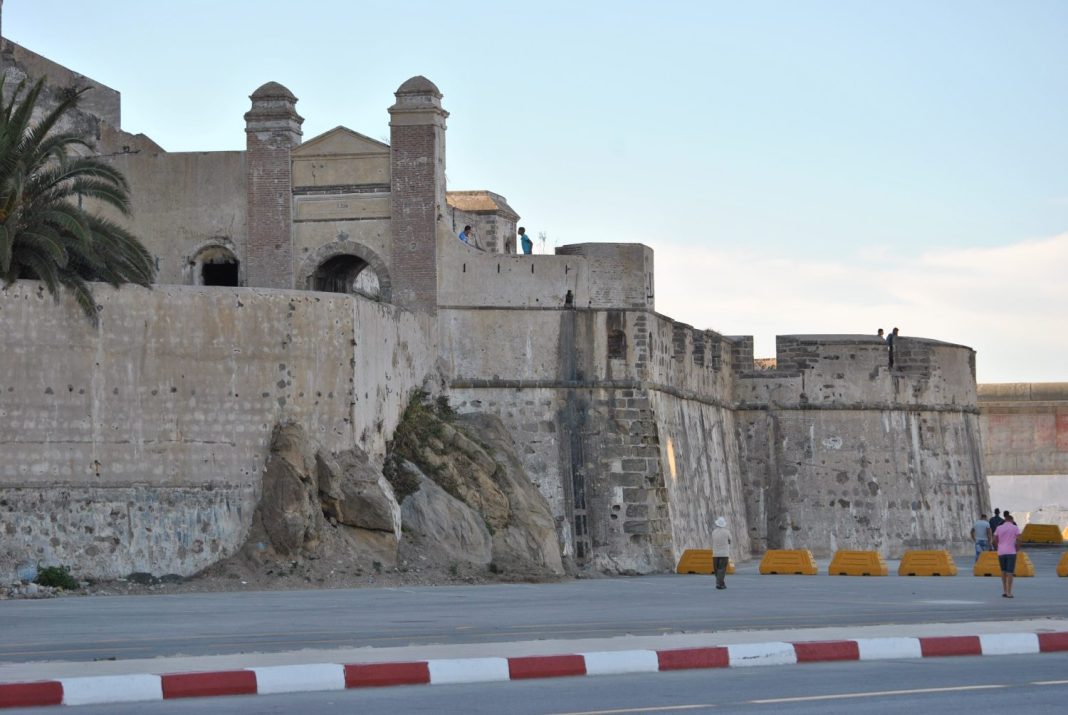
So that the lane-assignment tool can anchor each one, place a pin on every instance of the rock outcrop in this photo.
(473, 459)
(289, 510)
(353, 492)
(443, 528)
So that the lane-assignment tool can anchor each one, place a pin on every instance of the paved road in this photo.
(1023, 684)
(124, 627)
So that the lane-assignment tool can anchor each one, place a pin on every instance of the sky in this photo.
(815, 167)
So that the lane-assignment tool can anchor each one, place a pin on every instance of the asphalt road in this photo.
(121, 627)
(1024, 684)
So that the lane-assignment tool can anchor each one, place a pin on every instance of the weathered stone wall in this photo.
(624, 423)
(841, 452)
(620, 274)
(138, 446)
(1025, 428)
(168, 194)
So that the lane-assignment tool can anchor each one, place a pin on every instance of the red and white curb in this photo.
(98, 690)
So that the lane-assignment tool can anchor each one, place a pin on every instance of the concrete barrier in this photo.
(927, 563)
(797, 562)
(699, 561)
(1041, 534)
(857, 563)
(1062, 565)
(988, 565)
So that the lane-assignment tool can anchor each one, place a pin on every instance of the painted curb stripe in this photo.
(467, 670)
(820, 651)
(686, 658)
(889, 648)
(750, 654)
(1009, 643)
(199, 685)
(622, 661)
(950, 645)
(1051, 642)
(105, 689)
(299, 678)
(546, 666)
(329, 676)
(18, 695)
(374, 675)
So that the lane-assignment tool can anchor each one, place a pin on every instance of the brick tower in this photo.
(417, 191)
(272, 129)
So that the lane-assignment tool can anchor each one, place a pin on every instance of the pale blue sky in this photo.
(760, 148)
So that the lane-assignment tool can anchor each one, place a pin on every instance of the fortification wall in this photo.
(624, 422)
(139, 445)
(839, 451)
(1025, 428)
(471, 278)
(168, 196)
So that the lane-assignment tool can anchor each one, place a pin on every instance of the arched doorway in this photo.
(346, 267)
(216, 265)
(346, 273)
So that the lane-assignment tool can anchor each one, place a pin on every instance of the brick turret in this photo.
(272, 128)
(417, 190)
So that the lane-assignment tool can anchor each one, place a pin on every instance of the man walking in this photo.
(721, 552)
(1005, 543)
(981, 535)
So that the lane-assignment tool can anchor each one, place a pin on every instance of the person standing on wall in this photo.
(528, 245)
(1005, 543)
(467, 236)
(721, 552)
(890, 345)
(880, 335)
(981, 535)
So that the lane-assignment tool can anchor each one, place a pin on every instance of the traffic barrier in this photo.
(1064, 534)
(798, 562)
(1062, 565)
(857, 563)
(699, 561)
(988, 565)
(927, 563)
(1041, 534)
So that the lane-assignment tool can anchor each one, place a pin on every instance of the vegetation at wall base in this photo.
(57, 577)
(45, 233)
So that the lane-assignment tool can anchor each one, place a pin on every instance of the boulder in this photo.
(446, 528)
(354, 492)
(528, 538)
(289, 510)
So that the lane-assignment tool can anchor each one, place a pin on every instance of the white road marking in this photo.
(1050, 682)
(875, 694)
(653, 709)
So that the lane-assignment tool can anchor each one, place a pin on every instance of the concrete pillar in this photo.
(417, 191)
(272, 129)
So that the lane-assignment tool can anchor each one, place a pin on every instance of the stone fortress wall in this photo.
(139, 445)
(637, 429)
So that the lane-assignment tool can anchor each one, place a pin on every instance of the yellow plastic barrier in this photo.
(1062, 565)
(1041, 534)
(988, 565)
(788, 561)
(927, 563)
(699, 561)
(1064, 534)
(857, 563)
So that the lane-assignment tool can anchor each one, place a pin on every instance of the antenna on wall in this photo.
(542, 238)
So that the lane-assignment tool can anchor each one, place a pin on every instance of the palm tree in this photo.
(45, 233)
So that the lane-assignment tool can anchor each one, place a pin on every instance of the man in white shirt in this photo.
(721, 551)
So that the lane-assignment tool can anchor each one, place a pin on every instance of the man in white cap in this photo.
(721, 551)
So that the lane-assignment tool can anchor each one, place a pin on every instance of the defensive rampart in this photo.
(139, 445)
(842, 452)
(1025, 428)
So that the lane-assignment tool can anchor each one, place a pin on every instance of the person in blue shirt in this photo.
(466, 236)
(528, 245)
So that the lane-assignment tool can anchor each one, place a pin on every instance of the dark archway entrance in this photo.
(217, 266)
(346, 273)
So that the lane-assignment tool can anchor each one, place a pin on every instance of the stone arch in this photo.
(337, 268)
(215, 262)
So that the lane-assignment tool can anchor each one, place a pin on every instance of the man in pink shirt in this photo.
(1005, 542)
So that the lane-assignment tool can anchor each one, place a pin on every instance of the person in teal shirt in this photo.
(528, 245)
